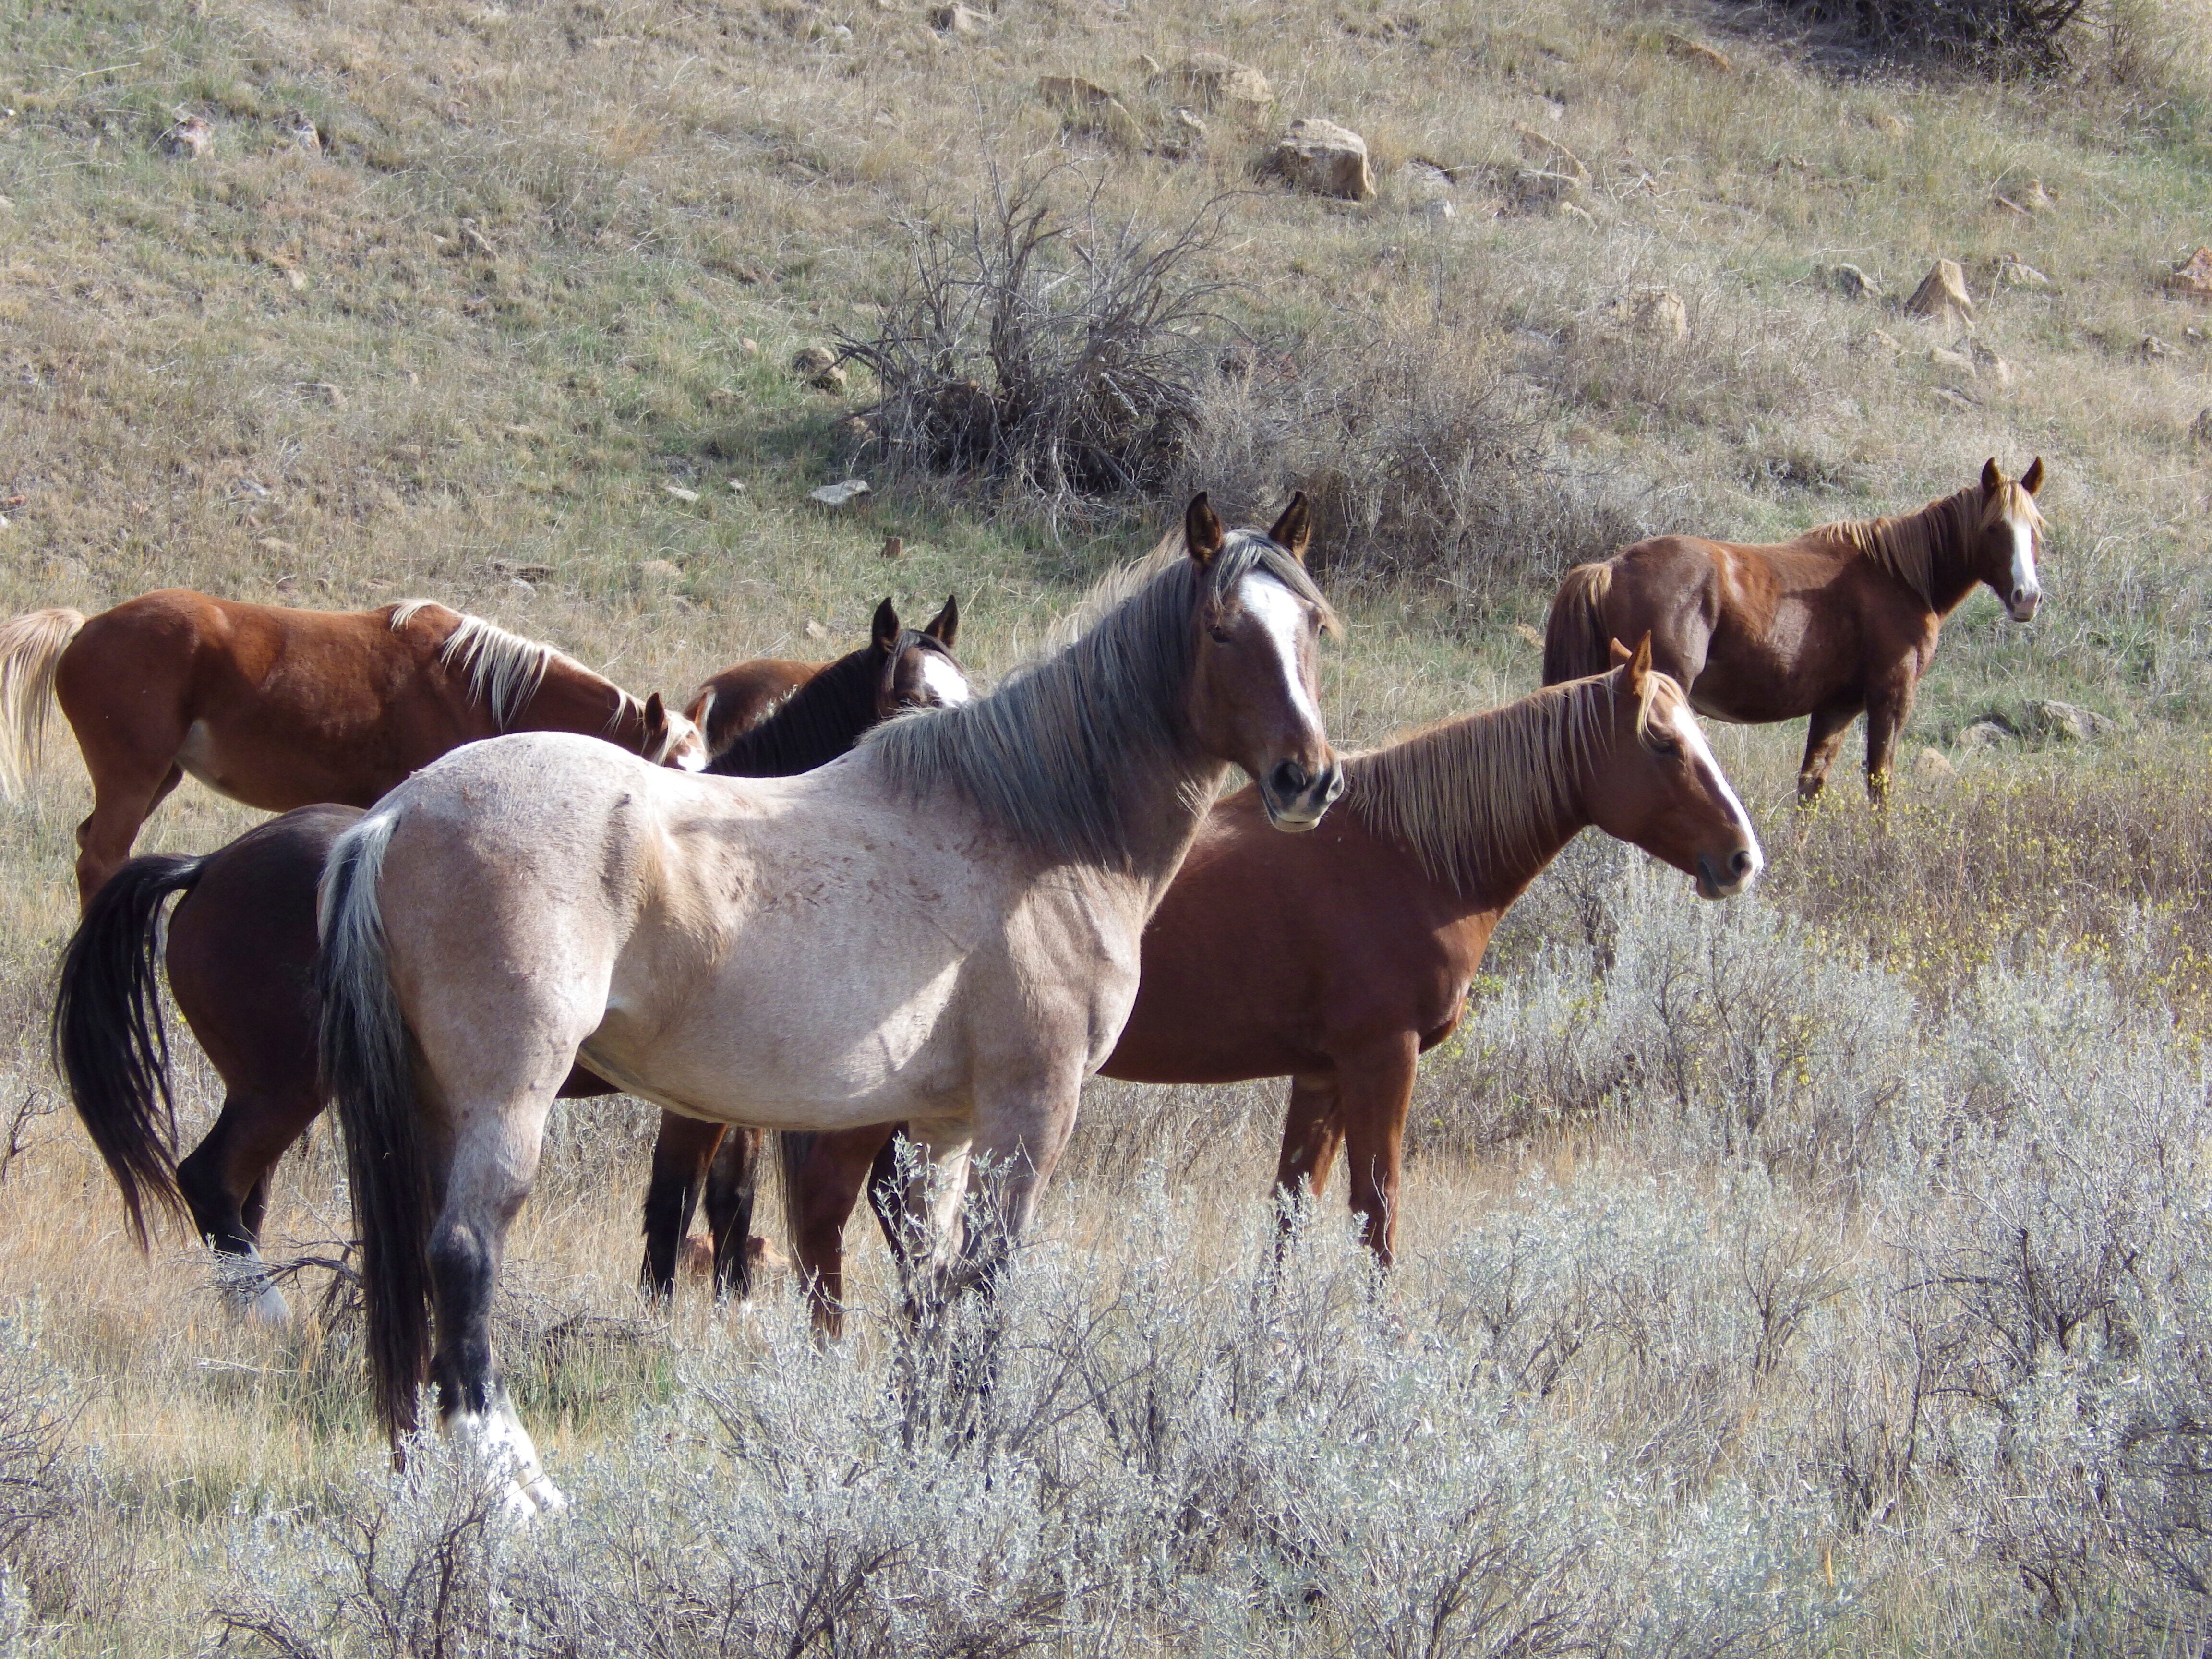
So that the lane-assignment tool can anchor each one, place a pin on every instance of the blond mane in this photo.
(505, 670)
(1484, 795)
(1913, 546)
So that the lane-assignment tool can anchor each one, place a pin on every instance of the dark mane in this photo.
(813, 726)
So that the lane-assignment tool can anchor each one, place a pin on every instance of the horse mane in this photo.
(1912, 545)
(808, 726)
(505, 670)
(1042, 756)
(1483, 793)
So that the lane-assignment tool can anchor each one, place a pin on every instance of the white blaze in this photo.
(2024, 582)
(943, 681)
(1283, 615)
(1693, 744)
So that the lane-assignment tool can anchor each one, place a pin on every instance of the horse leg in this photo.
(1889, 707)
(829, 1185)
(1375, 1087)
(104, 840)
(225, 1183)
(1824, 735)
(733, 1182)
(1312, 1131)
(681, 1153)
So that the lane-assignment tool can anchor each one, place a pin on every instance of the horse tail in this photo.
(107, 1035)
(792, 1148)
(1576, 643)
(368, 1067)
(31, 647)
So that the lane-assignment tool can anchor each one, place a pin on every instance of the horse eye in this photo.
(1667, 748)
(1221, 636)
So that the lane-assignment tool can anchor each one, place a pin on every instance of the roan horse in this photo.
(240, 951)
(1339, 958)
(278, 708)
(941, 928)
(1844, 618)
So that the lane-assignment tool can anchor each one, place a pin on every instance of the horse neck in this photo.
(821, 720)
(572, 698)
(1482, 803)
(1931, 551)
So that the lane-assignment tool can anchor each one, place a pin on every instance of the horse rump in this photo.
(1576, 642)
(31, 647)
(368, 1069)
(109, 1043)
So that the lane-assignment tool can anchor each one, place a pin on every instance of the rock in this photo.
(749, 346)
(1987, 363)
(1956, 398)
(1427, 181)
(1888, 342)
(1091, 109)
(323, 389)
(2194, 280)
(1697, 52)
(2150, 348)
(856, 432)
(661, 571)
(2200, 430)
(1187, 138)
(1957, 362)
(274, 544)
(687, 496)
(840, 494)
(736, 486)
(302, 133)
(1649, 313)
(819, 367)
(2068, 722)
(1536, 190)
(1325, 159)
(525, 588)
(190, 139)
(1933, 766)
(1853, 284)
(1548, 153)
(815, 630)
(894, 547)
(2011, 273)
(1215, 82)
(956, 19)
(1990, 732)
(2036, 199)
(1942, 295)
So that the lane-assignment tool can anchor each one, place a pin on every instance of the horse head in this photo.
(915, 667)
(1252, 698)
(671, 738)
(1660, 786)
(2011, 538)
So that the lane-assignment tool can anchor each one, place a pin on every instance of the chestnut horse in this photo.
(240, 951)
(942, 927)
(278, 708)
(1844, 618)
(1339, 958)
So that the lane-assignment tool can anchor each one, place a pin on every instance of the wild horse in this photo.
(1844, 618)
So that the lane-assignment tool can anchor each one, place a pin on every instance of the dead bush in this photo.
(1994, 36)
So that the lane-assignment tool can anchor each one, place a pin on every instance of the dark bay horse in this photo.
(1338, 959)
(1844, 618)
(240, 950)
(278, 708)
(941, 928)
(738, 697)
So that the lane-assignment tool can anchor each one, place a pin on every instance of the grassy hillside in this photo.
(514, 327)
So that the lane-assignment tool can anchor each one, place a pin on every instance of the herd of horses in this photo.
(856, 904)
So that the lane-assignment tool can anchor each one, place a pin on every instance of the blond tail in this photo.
(31, 647)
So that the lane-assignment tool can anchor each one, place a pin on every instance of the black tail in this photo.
(1576, 643)
(108, 1038)
(368, 1069)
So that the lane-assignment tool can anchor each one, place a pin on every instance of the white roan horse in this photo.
(940, 928)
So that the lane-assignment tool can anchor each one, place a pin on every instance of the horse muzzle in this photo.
(2022, 606)
(1719, 878)
(1296, 798)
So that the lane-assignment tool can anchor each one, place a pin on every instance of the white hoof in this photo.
(253, 1294)
(498, 1437)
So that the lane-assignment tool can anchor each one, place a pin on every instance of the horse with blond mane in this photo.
(279, 708)
(1842, 619)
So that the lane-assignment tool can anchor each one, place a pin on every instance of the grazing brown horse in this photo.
(240, 950)
(1339, 958)
(1844, 618)
(278, 708)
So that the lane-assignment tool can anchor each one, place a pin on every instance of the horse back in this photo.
(736, 700)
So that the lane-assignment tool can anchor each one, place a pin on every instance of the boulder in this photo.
(840, 494)
(1325, 159)
(1543, 150)
(1945, 361)
(1091, 108)
(2067, 722)
(819, 367)
(1942, 295)
(1933, 766)
(1990, 732)
(190, 139)
(2194, 280)
(1213, 82)
(1853, 284)
(2011, 273)
(661, 573)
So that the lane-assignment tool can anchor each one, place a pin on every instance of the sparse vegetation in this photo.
(1818, 1274)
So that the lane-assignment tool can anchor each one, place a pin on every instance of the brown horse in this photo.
(240, 950)
(1844, 618)
(1339, 956)
(739, 697)
(279, 708)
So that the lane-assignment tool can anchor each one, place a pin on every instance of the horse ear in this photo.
(883, 632)
(944, 626)
(1201, 530)
(2031, 480)
(656, 720)
(1294, 530)
(1618, 653)
(1992, 478)
(1639, 666)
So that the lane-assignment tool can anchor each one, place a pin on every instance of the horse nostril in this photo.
(1288, 779)
(1740, 865)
